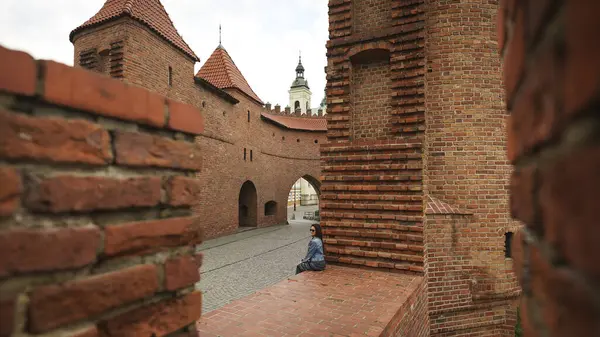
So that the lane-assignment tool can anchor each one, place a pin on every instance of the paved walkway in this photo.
(238, 265)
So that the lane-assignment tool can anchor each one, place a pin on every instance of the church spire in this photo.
(220, 45)
(300, 67)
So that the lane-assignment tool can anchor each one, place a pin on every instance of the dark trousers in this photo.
(310, 265)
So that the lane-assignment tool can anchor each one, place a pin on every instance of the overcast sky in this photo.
(262, 36)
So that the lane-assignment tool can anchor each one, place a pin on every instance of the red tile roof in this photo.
(149, 12)
(220, 71)
(436, 206)
(298, 123)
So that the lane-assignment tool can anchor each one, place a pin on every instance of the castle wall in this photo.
(552, 67)
(96, 227)
(372, 209)
(279, 156)
(471, 288)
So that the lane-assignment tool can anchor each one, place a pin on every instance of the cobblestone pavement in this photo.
(238, 265)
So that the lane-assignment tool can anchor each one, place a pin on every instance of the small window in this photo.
(298, 140)
(244, 154)
(248, 116)
(250, 155)
(170, 76)
(271, 208)
(316, 141)
(282, 137)
(203, 104)
(508, 244)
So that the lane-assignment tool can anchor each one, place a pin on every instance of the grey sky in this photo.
(262, 36)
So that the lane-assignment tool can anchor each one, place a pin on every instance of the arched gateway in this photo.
(247, 205)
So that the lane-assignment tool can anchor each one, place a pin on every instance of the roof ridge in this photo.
(128, 7)
(221, 71)
(151, 13)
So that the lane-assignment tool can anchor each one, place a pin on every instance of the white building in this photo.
(300, 94)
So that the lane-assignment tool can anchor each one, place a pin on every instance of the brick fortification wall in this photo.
(279, 156)
(372, 190)
(96, 231)
(372, 202)
(552, 71)
(472, 291)
(416, 115)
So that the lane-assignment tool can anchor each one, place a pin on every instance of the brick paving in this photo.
(238, 265)
(337, 302)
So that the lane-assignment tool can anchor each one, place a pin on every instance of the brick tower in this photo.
(136, 41)
(415, 175)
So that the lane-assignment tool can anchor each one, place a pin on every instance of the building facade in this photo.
(252, 154)
(414, 172)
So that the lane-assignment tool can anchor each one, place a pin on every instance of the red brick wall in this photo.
(371, 85)
(551, 61)
(372, 208)
(371, 15)
(414, 320)
(96, 237)
(280, 156)
(464, 298)
(472, 289)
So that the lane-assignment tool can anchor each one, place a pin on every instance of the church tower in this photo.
(300, 92)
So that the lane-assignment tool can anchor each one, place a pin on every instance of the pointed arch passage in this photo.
(248, 205)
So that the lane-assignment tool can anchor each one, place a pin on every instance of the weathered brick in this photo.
(150, 236)
(26, 251)
(155, 320)
(57, 305)
(137, 149)
(522, 197)
(91, 332)
(83, 194)
(568, 199)
(514, 59)
(185, 118)
(181, 272)
(7, 316)
(81, 89)
(53, 140)
(582, 82)
(18, 72)
(10, 193)
(183, 191)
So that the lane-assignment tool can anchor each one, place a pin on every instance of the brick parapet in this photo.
(94, 240)
(552, 68)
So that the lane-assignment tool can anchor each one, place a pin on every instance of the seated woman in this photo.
(315, 258)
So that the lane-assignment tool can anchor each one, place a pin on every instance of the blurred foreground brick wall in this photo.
(552, 76)
(96, 184)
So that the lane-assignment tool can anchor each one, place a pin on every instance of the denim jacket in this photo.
(315, 251)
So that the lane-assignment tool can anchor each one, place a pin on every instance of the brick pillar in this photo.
(552, 76)
(471, 289)
(96, 233)
(372, 201)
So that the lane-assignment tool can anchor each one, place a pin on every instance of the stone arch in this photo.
(247, 205)
(314, 182)
(296, 105)
(360, 51)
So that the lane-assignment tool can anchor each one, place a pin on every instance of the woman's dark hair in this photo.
(318, 231)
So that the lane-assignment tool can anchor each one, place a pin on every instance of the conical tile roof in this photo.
(149, 12)
(220, 71)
